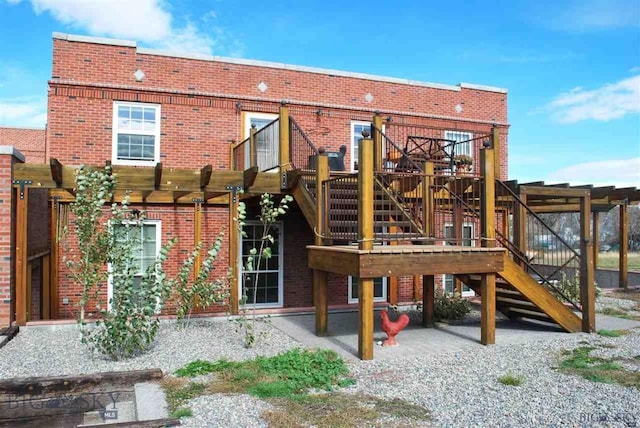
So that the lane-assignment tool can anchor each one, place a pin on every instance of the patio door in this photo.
(267, 291)
(448, 282)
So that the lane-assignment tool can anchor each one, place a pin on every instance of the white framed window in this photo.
(267, 142)
(269, 289)
(147, 236)
(356, 134)
(136, 134)
(463, 142)
(379, 289)
(448, 282)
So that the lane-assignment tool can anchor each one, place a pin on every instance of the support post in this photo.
(365, 239)
(197, 236)
(495, 145)
(520, 225)
(320, 292)
(284, 157)
(596, 238)
(232, 158)
(253, 154)
(458, 235)
(22, 305)
(46, 287)
(55, 258)
(427, 199)
(587, 288)
(488, 309)
(624, 246)
(428, 297)
(378, 155)
(234, 236)
(488, 201)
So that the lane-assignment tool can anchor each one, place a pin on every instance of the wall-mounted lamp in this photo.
(135, 214)
(319, 112)
(238, 107)
(389, 119)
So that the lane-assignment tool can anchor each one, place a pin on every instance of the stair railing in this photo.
(543, 252)
(302, 151)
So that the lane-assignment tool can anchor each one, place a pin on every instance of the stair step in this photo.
(525, 313)
(516, 303)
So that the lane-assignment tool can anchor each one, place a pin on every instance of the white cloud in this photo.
(30, 112)
(611, 101)
(615, 172)
(148, 21)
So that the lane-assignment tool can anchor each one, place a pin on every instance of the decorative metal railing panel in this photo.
(302, 151)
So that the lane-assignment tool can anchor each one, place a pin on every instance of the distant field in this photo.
(610, 260)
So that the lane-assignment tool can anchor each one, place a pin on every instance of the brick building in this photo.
(110, 100)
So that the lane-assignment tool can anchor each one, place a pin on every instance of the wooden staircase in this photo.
(519, 295)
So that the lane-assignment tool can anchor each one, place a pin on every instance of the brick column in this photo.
(8, 157)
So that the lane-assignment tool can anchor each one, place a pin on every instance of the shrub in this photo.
(449, 306)
(570, 288)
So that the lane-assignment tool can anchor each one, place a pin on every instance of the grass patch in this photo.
(182, 412)
(178, 392)
(511, 380)
(612, 333)
(341, 410)
(637, 357)
(597, 369)
(611, 260)
(286, 374)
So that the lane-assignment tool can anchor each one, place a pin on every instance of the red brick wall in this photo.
(202, 105)
(7, 240)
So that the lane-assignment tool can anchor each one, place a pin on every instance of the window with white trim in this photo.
(467, 241)
(146, 237)
(463, 142)
(136, 133)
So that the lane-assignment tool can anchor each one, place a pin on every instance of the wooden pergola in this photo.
(151, 185)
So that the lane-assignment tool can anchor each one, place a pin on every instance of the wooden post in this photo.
(488, 231)
(520, 225)
(284, 158)
(365, 240)
(596, 238)
(488, 202)
(234, 245)
(427, 199)
(495, 145)
(197, 236)
(46, 288)
(458, 235)
(55, 258)
(378, 155)
(320, 293)
(253, 154)
(428, 297)
(232, 158)
(587, 288)
(488, 309)
(624, 246)
(22, 305)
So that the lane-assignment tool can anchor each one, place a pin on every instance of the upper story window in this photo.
(356, 134)
(267, 142)
(463, 142)
(136, 133)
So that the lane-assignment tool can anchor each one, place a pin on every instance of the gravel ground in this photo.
(460, 389)
(45, 352)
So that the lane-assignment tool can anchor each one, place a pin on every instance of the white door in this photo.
(467, 241)
(267, 141)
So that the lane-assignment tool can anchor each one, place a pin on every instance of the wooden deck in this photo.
(405, 260)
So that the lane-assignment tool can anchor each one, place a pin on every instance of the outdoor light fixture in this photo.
(238, 106)
(319, 112)
(135, 214)
(486, 144)
(389, 119)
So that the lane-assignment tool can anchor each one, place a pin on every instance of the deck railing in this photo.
(302, 151)
(261, 152)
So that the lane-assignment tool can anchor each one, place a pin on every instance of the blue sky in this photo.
(572, 67)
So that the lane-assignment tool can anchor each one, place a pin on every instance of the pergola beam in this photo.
(157, 176)
(205, 176)
(56, 171)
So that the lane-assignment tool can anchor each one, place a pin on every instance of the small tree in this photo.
(269, 214)
(203, 292)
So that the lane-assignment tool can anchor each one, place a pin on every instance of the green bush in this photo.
(449, 306)
(570, 288)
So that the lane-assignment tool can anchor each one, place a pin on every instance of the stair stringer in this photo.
(540, 296)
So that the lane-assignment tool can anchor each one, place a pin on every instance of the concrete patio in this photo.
(417, 341)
